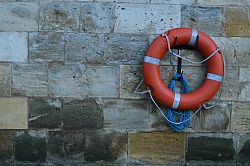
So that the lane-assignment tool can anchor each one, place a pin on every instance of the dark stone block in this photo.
(30, 146)
(5, 164)
(244, 154)
(45, 113)
(82, 114)
(66, 143)
(6, 145)
(104, 146)
(210, 148)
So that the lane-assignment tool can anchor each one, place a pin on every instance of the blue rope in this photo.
(171, 113)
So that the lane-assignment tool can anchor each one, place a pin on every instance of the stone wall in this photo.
(69, 68)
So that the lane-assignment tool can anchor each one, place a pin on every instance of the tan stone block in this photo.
(156, 146)
(236, 22)
(241, 117)
(13, 113)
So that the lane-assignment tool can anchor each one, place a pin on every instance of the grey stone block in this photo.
(46, 47)
(30, 79)
(79, 81)
(126, 115)
(217, 118)
(66, 147)
(97, 17)
(59, 16)
(82, 114)
(212, 149)
(45, 113)
(19, 16)
(30, 146)
(146, 18)
(207, 19)
(244, 80)
(13, 46)
(125, 49)
(244, 150)
(88, 48)
(105, 146)
(5, 79)
(6, 145)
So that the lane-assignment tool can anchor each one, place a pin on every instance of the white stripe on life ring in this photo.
(177, 99)
(214, 77)
(193, 37)
(151, 60)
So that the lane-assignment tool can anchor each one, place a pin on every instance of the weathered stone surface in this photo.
(121, 115)
(244, 80)
(244, 150)
(6, 163)
(216, 149)
(5, 79)
(105, 146)
(82, 114)
(207, 19)
(30, 79)
(156, 146)
(59, 16)
(97, 17)
(45, 113)
(145, 18)
(186, 2)
(230, 85)
(6, 145)
(13, 46)
(129, 1)
(229, 49)
(241, 117)
(46, 47)
(217, 118)
(222, 3)
(77, 80)
(88, 48)
(130, 77)
(237, 21)
(30, 146)
(66, 146)
(13, 113)
(19, 16)
(125, 49)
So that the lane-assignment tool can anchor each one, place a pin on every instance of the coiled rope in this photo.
(171, 113)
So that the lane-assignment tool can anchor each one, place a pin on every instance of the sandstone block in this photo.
(237, 21)
(13, 113)
(156, 146)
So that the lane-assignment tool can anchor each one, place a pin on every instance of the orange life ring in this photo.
(183, 37)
